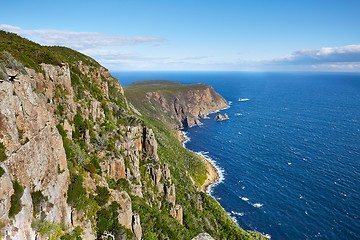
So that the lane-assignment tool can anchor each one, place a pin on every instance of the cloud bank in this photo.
(136, 53)
(78, 40)
(331, 58)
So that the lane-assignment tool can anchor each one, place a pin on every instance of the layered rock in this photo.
(178, 105)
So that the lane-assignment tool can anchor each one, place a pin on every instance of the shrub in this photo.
(74, 235)
(107, 221)
(48, 229)
(2, 171)
(37, 198)
(3, 156)
(102, 195)
(80, 127)
(16, 199)
(76, 192)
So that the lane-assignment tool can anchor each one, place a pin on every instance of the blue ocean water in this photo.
(291, 160)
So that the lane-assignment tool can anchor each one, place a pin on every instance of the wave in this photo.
(257, 205)
(244, 199)
(237, 213)
(186, 137)
(233, 218)
(219, 170)
(266, 235)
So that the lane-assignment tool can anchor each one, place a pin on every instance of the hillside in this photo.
(76, 161)
(178, 105)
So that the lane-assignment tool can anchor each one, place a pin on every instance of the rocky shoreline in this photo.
(212, 172)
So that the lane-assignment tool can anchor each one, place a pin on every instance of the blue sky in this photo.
(245, 35)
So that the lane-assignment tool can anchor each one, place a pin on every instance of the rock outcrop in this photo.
(203, 236)
(179, 105)
(36, 157)
(220, 117)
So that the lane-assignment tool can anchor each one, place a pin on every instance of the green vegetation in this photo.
(49, 229)
(107, 221)
(102, 196)
(2, 171)
(77, 193)
(74, 235)
(3, 156)
(32, 54)
(37, 198)
(163, 85)
(16, 199)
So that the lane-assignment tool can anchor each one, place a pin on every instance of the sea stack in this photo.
(220, 117)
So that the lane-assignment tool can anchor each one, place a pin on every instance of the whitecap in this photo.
(257, 205)
(244, 199)
(266, 235)
(187, 138)
(219, 169)
(237, 213)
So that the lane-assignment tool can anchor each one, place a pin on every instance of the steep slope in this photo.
(77, 162)
(179, 105)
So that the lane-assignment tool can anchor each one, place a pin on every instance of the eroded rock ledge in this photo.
(179, 105)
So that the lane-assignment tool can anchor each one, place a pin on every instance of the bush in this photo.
(76, 192)
(37, 198)
(3, 156)
(2, 171)
(16, 199)
(74, 235)
(102, 195)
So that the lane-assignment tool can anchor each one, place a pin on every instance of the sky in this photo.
(197, 35)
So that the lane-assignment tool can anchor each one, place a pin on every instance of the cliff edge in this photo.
(178, 105)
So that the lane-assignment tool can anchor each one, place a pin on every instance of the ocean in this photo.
(289, 156)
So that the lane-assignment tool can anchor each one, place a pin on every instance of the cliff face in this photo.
(77, 162)
(177, 104)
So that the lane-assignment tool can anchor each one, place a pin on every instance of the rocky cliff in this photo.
(77, 162)
(179, 105)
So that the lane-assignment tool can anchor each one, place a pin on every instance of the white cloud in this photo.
(79, 40)
(349, 53)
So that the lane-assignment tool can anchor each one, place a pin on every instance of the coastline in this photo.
(213, 174)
